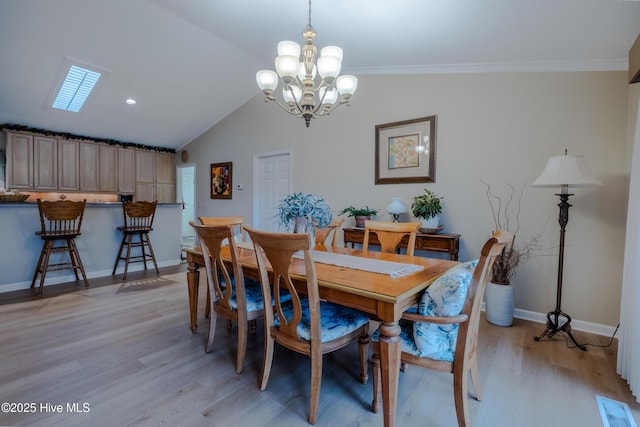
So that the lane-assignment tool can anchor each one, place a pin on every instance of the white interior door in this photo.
(186, 196)
(272, 174)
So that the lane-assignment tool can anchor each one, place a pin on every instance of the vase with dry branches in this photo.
(499, 295)
(506, 216)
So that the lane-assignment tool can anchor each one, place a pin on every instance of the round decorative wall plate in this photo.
(184, 155)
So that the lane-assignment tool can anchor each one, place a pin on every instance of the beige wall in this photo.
(500, 128)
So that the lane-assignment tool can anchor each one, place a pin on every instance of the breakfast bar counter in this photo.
(98, 244)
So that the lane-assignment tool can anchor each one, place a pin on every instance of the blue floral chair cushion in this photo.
(335, 320)
(406, 337)
(253, 294)
(445, 297)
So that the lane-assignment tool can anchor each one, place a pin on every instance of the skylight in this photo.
(75, 89)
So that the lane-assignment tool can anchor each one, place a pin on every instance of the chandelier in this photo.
(302, 97)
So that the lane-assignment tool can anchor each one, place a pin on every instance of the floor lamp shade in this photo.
(563, 171)
(566, 171)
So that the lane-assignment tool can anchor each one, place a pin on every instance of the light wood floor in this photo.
(125, 350)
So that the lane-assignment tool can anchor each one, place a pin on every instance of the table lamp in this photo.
(563, 171)
(396, 207)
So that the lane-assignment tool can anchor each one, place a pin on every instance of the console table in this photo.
(424, 242)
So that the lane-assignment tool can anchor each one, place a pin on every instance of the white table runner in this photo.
(390, 268)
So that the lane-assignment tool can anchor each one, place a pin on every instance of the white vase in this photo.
(499, 304)
(304, 225)
(431, 223)
(300, 224)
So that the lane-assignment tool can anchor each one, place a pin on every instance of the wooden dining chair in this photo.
(137, 224)
(239, 235)
(60, 221)
(236, 297)
(443, 334)
(390, 234)
(308, 325)
(237, 221)
(322, 234)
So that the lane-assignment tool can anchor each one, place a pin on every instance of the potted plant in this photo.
(499, 294)
(428, 208)
(360, 214)
(304, 211)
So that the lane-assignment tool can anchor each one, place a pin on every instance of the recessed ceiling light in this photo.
(130, 101)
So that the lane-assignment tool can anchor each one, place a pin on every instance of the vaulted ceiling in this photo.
(190, 63)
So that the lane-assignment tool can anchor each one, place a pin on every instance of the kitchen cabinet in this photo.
(117, 169)
(31, 162)
(78, 166)
(89, 167)
(155, 176)
(126, 171)
(108, 168)
(68, 165)
(165, 178)
(44, 163)
(145, 175)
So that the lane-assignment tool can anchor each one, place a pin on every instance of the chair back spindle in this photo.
(60, 217)
(139, 215)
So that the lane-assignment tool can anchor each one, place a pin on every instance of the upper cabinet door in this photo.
(126, 171)
(31, 162)
(108, 173)
(45, 165)
(165, 168)
(68, 165)
(165, 178)
(145, 166)
(89, 166)
(19, 157)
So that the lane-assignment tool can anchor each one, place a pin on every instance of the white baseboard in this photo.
(578, 325)
(90, 275)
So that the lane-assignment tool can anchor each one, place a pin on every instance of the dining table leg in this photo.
(193, 282)
(390, 347)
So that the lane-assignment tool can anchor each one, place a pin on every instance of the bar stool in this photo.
(138, 221)
(60, 221)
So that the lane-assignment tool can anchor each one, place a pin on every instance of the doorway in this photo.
(272, 177)
(186, 195)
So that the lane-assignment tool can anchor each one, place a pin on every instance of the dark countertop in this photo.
(92, 204)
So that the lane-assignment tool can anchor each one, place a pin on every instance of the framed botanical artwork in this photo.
(221, 185)
(406, 151)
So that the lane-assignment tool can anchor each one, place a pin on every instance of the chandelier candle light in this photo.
(301, 96)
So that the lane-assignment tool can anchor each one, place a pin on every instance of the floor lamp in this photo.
(563, 171)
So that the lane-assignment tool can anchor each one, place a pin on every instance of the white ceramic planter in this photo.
(305, 225)
(431, 223)
(499, 304)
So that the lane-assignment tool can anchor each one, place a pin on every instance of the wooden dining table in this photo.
(382, 297)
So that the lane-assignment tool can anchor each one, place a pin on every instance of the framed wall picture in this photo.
(406, 151)
(221, 180)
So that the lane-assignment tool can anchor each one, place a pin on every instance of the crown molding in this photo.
(619, 64)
